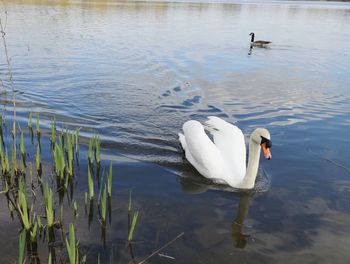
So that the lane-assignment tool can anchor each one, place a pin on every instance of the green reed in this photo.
(59, 161)
(5, 165)
(77, 141)
(38, 220)
(61, 214)
(1, 147)
(90, 151)
(91, 184)
(133, 224)
(22, 205)
(22, 145)
(14, 160)
(38, 125)
(97, 149)
(22, 246)
(110, 175)
(9, 204)
(38, 160)
(85, 199)
(71, 245)
(70, 151)
(33, 232)
(75, 208)
(30, 120)
(48, 198)
(53, 131)
(104, 204)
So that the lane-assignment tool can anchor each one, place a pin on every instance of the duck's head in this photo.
(262, 137)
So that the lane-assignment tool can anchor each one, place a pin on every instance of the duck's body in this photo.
(222, 160)
(258, 43)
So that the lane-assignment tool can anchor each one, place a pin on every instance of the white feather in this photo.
(223, 160)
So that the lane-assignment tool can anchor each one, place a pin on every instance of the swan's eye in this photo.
(267, 141)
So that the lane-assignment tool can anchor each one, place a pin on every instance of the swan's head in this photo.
(262, 137)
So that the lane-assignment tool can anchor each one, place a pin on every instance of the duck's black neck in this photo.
(252, 40)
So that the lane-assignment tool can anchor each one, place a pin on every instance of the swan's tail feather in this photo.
(215, 123)
(182, 140)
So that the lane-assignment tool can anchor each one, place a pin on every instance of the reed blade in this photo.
(91, 184)
(133, 224)
(110, 176)
(21, 247)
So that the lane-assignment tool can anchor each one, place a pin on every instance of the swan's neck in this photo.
(253, 165)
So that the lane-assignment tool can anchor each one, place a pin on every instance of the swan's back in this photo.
(200, 151)
(222, 160)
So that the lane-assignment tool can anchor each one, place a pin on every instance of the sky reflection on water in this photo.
(134, 72)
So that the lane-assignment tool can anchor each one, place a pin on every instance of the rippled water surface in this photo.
(135, 72)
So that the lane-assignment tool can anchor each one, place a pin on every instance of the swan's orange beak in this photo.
(266, 151)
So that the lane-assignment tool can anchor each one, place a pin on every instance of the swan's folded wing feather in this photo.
(200, 151)
(229, 139)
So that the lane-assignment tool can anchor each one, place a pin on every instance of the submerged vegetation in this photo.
(37, 202)
(38, 199)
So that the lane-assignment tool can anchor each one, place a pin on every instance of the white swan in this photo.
(224, 160)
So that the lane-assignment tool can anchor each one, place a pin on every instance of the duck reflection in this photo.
(250, 50)
(240, 239)
(251, 47)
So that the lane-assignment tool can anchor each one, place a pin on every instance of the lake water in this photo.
(135, 72)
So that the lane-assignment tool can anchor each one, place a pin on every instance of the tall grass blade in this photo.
(75, 207)
(133, 224)
(33, 232)
(21, 144)
(110, 175)
(49, 205)
(59, 161)
(53, 131)
(38, 125)
(50, 259)
(38, 159)
(22, 245)
(97, 150)
(5, 165)
(90, 151)
(77, 141)
(69, 150)
(104, 204)
(14, 160)
(23, 209)
(71, 245)
(91, 184)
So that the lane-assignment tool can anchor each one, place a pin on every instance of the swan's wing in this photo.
(200, 151)
(230, 140)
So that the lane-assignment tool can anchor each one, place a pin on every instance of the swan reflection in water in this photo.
(237, 224)
(240, 239)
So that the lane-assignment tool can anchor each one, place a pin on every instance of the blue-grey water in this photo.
(135, 72)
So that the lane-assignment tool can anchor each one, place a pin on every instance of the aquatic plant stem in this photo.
(2, 31)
